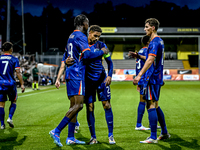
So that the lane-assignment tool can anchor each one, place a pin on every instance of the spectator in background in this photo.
(35, 77)
(26, 76)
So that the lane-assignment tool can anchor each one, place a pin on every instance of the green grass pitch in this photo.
(40, 111)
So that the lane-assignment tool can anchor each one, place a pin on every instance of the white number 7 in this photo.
(5, 68)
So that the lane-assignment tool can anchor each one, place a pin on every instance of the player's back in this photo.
(140, 63)
(158, 48)
(8, 65)
(76, 45)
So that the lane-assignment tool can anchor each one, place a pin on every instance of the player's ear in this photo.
(153, 28)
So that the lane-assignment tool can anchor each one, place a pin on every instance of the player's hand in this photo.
(105, 50)
(57, 84)
(108, 80)
(22, 88)
(136, 80)
(133, 54)
(69, 61)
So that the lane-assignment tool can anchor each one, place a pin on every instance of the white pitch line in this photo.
(36, 93)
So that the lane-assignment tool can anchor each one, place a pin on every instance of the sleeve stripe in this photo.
(85, 49)
(152, 54)
(17, 68)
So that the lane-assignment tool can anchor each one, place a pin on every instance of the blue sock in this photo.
(141, 109)
(71, 128)
(109, 120)
(91, 123)
(2, 115)
(153, 122)
(62, 124)
(161, 119)
(12, 110)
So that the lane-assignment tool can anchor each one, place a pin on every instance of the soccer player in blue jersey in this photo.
(153, 72)
(98, 82)
(77, 51)
(8, 88)
(139, 64)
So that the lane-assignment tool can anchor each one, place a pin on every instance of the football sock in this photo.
(71, 128)
(2, 115)
(33, 85)
(109, 120)
(62, 124)
(36, 85)
(161, 119)
(91, 123)
(141, 109)
(153, 122)
(12, 110)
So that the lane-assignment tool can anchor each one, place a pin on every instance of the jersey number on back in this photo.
(5, 67)
(70, 48)
(139, 64)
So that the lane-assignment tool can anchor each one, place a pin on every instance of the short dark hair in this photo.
(78, 21)
(7, 46)
(145, 39)
(153, 22)
(95, 28)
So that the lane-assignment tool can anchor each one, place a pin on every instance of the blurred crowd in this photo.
(27, 63)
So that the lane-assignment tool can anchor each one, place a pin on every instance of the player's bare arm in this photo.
(147, 65)
(69, 61)
(136, 55)
(61, 70)
(105, 50)
(108, 80)
(19, 76)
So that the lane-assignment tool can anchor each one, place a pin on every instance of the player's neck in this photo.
(153, 35)
(7, 52)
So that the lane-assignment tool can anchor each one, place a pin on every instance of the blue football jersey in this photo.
(77, 44)
(94, 67)
(8, 64)
(155, 73)
(140, 63)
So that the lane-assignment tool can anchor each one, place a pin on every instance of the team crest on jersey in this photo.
(96, 49)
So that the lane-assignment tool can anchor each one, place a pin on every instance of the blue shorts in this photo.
(99, 87)
(141, 89)
(152, 92)
(75, 87)
(8, 89)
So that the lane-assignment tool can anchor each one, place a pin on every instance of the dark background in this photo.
(53, 27)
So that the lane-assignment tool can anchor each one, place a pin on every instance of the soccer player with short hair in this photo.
(98, 82)
(153, 71)
(8, 88)
(139, 64)
(77, 51)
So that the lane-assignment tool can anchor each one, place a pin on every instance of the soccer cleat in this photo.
(93, 141)
(77, 127)
(3, 127)
(141, 128)
(10, 122)
(111, 140)
(158, 127)
(56, 138)
(72, 141)
(149, 140)
(164, 136)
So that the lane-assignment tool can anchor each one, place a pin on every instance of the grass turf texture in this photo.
(40, 111)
